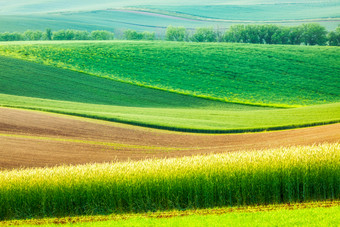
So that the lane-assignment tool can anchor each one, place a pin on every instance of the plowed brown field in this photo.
(37, 139)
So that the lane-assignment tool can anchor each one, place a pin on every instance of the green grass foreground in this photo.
(307, 217)
(283, 214)
(296, 174)
(268, 75)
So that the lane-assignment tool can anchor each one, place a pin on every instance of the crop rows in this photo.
(283, 175)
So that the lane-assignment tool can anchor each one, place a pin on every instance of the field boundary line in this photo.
(179, 129)
(97, 143)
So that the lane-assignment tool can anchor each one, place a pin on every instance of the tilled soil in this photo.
(38, 139)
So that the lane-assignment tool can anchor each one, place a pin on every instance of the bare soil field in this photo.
(38, 139)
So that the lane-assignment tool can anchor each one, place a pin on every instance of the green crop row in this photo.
(263, 177)
(283, 76)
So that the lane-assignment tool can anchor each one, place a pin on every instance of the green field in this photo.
(94, 20)
(268, 75)
(99, 94)
(296, 174)
(307, 217)
(187, 120)
(180, 86)
(15, 7)
(315, 213)
(46, 82)
(121, 21)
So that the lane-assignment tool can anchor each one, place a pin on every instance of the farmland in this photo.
(156, 16)
(160, 133)
(215, 106)
(77, 140)
(273, 176)
(272, 76)
(249, 12)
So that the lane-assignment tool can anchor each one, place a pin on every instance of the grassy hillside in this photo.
(44, 82)
(285, 175)
(34, 86)
(272, 75)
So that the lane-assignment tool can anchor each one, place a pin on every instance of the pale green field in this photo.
(315, 213)
(21, 15)
(250, 12)
(326, 217)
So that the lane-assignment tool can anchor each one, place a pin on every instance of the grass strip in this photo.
(286, 175)
(174, 213)
(306, 217)
(187, 120)
(115, 145)
(180, 129)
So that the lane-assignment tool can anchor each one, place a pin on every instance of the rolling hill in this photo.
(168, 93)
(266, 75)
(119, 128)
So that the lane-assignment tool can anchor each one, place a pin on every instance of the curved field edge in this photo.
(275, 75)
(179, 129)
(187, 120)
(285, 175)
(47, 82)
(138, 83)
(175, 213)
